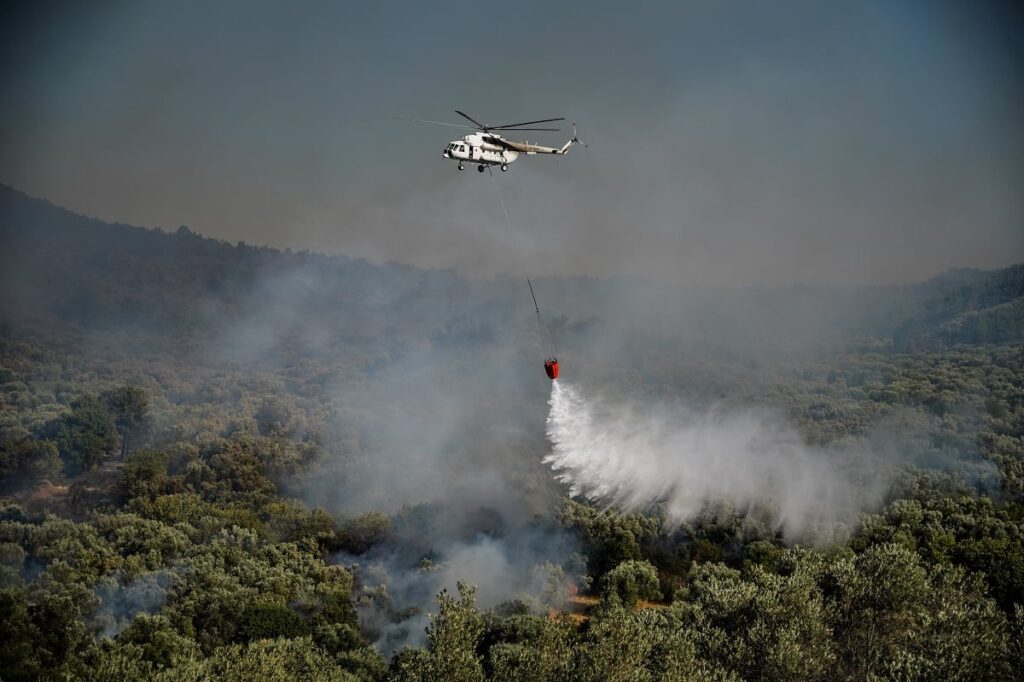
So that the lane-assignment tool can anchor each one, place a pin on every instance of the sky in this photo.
(730, 143)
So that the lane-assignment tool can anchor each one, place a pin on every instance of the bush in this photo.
(269, 621)
(629, 582)
(87, 435)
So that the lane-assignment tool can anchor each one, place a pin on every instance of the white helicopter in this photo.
(486, 148)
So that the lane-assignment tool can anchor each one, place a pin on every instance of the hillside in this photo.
(230, 462)
(76, 273)
(967, 306)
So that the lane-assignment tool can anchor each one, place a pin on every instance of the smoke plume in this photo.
(119, 603)
(631, 457)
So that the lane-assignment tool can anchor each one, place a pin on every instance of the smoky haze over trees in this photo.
(786, 280)
(260, 462)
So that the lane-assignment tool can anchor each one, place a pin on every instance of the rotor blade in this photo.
(470, 118)
(526, 123)
(437, 123)
(507, 129)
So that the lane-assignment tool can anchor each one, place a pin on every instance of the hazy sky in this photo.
(730, 142)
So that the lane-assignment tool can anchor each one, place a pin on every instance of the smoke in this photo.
(720, 152)
(396, 585)
(120, 603)
(632, 457)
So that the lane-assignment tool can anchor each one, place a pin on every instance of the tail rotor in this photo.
(576, 139)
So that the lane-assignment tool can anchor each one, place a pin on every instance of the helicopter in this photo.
(487, 148)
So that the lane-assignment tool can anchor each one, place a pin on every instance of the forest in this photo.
(224, 461)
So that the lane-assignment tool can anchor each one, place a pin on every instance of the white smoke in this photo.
(119, 602)
(631, 458)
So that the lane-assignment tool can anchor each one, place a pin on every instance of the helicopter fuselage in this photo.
(476, 149)
(486, 148)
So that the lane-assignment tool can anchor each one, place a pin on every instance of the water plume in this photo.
(632, 456)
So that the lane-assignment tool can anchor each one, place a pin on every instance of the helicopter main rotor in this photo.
(509, 126)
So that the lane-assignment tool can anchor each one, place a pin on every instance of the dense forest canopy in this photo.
(228, 461)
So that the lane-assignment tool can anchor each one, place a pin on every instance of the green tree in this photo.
(453, 635)
(19, 659)
(274, 418)
(543, 652)
(789, 637)
(623, 646)
(88, 434)
(25, 460)
(894, 618)
(269, 621)
(273, 660)
(759, 625)
(875, 597)
(410, 665)
(130, 406)
(158, 640)
(629, 582)
(609, 538)
(110, 661)
(144, 473)
(362, 533)
(1001, 560)
(1016, 645)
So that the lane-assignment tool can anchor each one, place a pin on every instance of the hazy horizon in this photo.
(641, 279)
(854, 143)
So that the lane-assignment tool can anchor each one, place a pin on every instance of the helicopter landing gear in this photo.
(461, 167)
(480, 168)
(504, 167)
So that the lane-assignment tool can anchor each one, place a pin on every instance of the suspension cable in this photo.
(543, 329)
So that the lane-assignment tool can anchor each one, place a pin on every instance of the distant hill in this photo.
(64, 274)
(966, 306)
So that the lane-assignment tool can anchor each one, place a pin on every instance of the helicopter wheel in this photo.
(461, 167)
(504, 167)
(480, 168)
